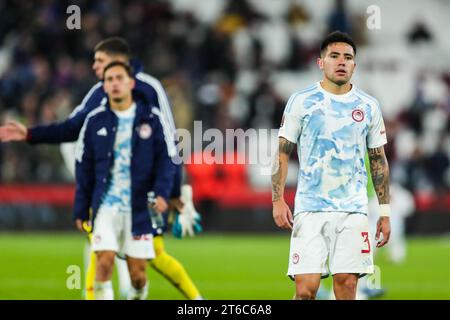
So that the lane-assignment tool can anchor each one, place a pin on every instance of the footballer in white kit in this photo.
(332, 133)
(333, 124)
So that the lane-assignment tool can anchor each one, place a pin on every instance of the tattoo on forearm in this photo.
(380, 174)
(276, 182)
(286, 147)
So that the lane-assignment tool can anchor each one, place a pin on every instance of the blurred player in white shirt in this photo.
(403, 206)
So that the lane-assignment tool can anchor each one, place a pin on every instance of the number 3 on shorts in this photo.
(365, 235)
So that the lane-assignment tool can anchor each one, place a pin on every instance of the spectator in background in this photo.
(339, 19)
(419, 33)
(266, 107)
(436, 166)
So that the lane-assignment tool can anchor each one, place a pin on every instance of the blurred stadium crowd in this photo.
(231, 64)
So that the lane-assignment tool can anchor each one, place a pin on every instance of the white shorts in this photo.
(330, 242)
(112, 232)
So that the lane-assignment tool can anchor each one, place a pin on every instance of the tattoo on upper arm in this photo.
(286, 146)
(380, 174)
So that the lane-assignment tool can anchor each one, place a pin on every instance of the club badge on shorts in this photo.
(145, 131)
(97, 239)
(295, 258)
(358, 115)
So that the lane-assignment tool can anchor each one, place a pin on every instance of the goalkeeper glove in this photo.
(188, 221)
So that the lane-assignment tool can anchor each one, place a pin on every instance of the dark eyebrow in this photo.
(338, 53)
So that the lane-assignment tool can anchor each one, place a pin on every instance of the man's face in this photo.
(338, 63)
(102, 59)
(117, 84)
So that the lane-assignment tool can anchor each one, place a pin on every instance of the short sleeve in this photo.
(377, 131)
(290, 128)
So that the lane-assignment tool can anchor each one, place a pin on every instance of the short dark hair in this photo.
(127, 68)
(336, 36)
(114, 46)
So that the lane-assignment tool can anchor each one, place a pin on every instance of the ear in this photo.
(320, 63)
(132, 83)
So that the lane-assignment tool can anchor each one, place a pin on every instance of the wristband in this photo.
(385, 210)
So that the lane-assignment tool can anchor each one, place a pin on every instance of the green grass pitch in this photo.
(223, 266)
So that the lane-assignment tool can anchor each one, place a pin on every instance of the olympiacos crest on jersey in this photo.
(145, 131)
(358, 115)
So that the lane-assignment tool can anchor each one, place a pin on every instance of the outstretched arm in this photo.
(281, 212)
(379, 169)
(13, 131)
(57, 132)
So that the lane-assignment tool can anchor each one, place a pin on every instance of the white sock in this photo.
(103, 290)
(138, 294)
(124, 277)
